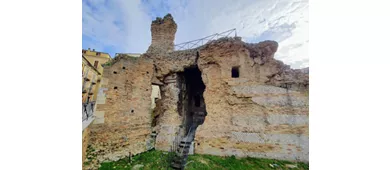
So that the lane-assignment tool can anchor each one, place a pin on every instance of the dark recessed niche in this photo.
(198, 144)
(115, 87)
(235, 72)
(132, 111)
(146, 89)
(147, 72)
(115, 72)
(123, 68)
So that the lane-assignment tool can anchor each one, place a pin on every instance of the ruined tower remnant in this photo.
(163, 34)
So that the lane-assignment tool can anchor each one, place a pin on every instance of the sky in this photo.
(123, 26)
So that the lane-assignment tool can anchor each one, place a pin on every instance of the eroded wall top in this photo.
(255, 60)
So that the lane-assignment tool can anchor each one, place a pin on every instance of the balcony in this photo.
(87, 113)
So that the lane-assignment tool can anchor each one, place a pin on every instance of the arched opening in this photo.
(155, 95)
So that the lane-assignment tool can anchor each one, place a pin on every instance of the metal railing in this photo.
(199, 42)
(88, 110)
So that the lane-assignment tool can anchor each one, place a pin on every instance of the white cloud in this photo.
(120, 24)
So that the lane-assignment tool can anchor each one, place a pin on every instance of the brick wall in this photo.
(123, 115)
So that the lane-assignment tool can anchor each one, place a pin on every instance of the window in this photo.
(96, 64)
(235, 72)
(97, 53)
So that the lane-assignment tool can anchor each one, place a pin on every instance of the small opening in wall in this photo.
(235, 72)
(146, 89)
(115, 87)
(147, 72)
(123, 68)
(115, 72)
(198, 144)
(132, 111)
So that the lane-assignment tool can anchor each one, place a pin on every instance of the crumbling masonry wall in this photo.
(123, 119)
(168, 119)
(264, 112)
(251, 115)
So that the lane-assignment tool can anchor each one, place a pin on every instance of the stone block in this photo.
(278, 119)
(99, 117)
(252, 122)
(247, 137)
(270, 101)
(257, 90)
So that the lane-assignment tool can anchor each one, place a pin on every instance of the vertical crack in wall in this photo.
(196, 107)
(192, 107)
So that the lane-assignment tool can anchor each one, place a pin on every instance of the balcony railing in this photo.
(88, 110)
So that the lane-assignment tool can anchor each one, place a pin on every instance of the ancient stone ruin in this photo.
(224, 98)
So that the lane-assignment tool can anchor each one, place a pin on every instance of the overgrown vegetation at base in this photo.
(160, 160)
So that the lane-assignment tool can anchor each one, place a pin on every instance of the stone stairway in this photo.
(180, 159)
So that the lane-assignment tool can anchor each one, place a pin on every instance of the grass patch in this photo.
(160, 160)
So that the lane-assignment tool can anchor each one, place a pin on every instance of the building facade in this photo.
(92, 73)
(92, 70)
